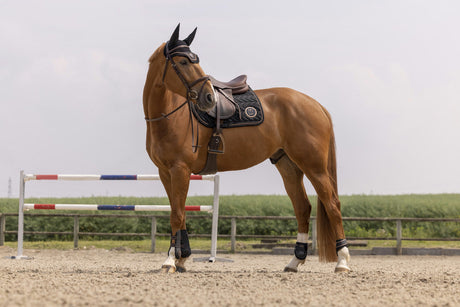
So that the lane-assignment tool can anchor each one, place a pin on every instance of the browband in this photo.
(181, 50)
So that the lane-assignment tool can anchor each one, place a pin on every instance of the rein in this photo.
(165, 116)
(182, 50)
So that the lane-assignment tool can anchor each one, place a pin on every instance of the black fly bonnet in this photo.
(181, 49)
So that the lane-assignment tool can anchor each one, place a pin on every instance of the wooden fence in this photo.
(233, 232)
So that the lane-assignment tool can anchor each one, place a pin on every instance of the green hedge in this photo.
(430, 206)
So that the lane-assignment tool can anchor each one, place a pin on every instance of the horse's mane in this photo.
(155, 54)
(154, 72)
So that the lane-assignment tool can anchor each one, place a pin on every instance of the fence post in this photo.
(215, 219)
(76, 228)
(22, 186)
(233, 235)
(313, 236)
(153, 233)
(2, 229)
(398, 238)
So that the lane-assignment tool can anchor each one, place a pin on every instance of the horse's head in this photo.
(183, 74)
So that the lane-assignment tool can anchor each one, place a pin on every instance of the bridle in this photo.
(184, 51)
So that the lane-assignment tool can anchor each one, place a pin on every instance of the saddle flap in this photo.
(227, 107)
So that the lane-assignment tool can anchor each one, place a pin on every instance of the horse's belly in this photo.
(246, 147)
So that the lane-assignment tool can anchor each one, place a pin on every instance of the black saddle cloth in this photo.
(249, 112)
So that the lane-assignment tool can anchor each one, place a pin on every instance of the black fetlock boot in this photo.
(301, 250)
(182, 245)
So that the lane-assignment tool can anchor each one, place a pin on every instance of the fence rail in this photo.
(233, 236)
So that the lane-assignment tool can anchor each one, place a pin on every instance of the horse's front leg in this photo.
(176, 182)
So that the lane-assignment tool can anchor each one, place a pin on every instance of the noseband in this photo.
(184, 51)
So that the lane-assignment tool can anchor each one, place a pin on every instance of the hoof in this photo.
(342, 269)
(290, 270)
(168, 269)
(344, 258)
(292, 266)
(181, 269)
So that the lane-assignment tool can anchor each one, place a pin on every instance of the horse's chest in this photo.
(166, 155)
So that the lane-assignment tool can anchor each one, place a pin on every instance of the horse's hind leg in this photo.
(293, 182)
(332, 245)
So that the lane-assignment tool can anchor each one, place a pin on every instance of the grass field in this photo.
(422, 206)
(411, 205)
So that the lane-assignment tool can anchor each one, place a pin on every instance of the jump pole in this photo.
(22, 206)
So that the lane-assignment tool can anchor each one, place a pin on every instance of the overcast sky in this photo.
(72, 75)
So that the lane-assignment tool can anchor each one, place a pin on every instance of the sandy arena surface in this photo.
(98, 277)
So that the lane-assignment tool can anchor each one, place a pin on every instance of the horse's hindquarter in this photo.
(294, 109)
(291, 119)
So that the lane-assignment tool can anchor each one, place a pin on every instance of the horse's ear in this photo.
(174, 36)
(190, 38)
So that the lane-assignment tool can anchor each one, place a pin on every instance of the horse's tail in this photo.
(325, 230)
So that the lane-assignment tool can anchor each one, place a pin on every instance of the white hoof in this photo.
(343, 260)
(168, 269)
(169, 266)
(292, 266)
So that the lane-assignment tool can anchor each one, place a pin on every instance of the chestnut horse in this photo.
(296, 134)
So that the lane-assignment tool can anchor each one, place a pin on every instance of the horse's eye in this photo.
(183, 62)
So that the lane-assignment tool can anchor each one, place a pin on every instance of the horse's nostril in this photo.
(209, 98)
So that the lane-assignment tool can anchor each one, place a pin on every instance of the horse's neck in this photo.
(160, 101)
